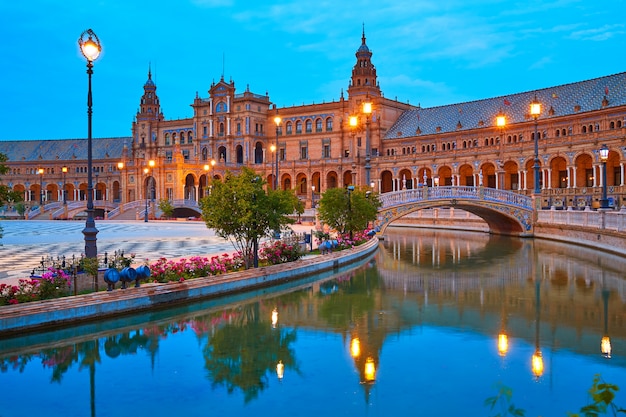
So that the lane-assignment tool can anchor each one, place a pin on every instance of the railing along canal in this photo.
(454, 192)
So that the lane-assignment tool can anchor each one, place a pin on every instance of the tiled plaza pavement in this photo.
(25, 242)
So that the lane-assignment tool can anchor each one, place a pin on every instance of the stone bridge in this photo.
(505, 212)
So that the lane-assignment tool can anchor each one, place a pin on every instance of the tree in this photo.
(348, 210)
(166, 207)
(240, 210)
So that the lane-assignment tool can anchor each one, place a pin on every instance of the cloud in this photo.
(599, 34)
(541, 63)
(213, 3)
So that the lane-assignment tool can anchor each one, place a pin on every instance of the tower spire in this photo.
(363, 81)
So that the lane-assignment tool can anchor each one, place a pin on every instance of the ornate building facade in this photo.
(362, 138)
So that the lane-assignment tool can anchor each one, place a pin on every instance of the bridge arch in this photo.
(505, 212)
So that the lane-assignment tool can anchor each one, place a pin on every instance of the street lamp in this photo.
(277, 120)
(367, 109)
(312, 196)
(604, 156)
(64, 170)
(90, 48)
(535, 111)
(148, 182)
(40, 172)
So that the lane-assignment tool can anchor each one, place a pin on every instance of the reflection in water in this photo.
(434, 315)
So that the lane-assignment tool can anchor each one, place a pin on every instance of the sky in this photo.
(426, 52)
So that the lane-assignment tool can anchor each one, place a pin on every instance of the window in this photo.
(289, 127)
(304, 150)
(298, 127)
(318, 125)
(329, 125)
(189, 137)
(167, 138)
(326, 148)
(182, 138)
(204, 130)
(309, 126)
(186, 154)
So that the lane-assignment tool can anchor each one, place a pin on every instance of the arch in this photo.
(425, 177)
(303, 188)
(239, 154)
(559, 175)
(347, 177)
(329, 124)
(190, 187)
(405, 177)
(466, 175)
(584, 170)
(511, 176)
(99, 189)
(386, 181)
(285, 181)
(221, 153)
(258, 153)
(445, 175)
(332, 180)
(117, 192)
(505, 212)
(488, 171)
(203, 186)
(315, 180)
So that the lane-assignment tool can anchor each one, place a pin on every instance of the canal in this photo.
(435, 323)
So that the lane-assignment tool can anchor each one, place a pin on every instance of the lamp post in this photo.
(90, 48)
(119, 196)
(40, 172)
(277, 120)
(312, 196)
(367, 109)
(148, 182)
(64, 170)
(604, 156)
(535, 111)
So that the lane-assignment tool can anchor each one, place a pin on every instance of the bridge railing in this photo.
(451, 192)
(185, 203)
(127, 206)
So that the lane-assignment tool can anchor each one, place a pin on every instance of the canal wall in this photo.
(603, 230)
(48, 314)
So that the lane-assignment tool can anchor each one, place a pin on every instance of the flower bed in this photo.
(52, 284)
(57, 282)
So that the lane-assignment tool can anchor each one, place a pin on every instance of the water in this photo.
(426, 311)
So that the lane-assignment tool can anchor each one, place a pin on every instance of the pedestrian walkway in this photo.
(25, 242)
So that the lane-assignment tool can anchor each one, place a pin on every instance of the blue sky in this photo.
(431, 52)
